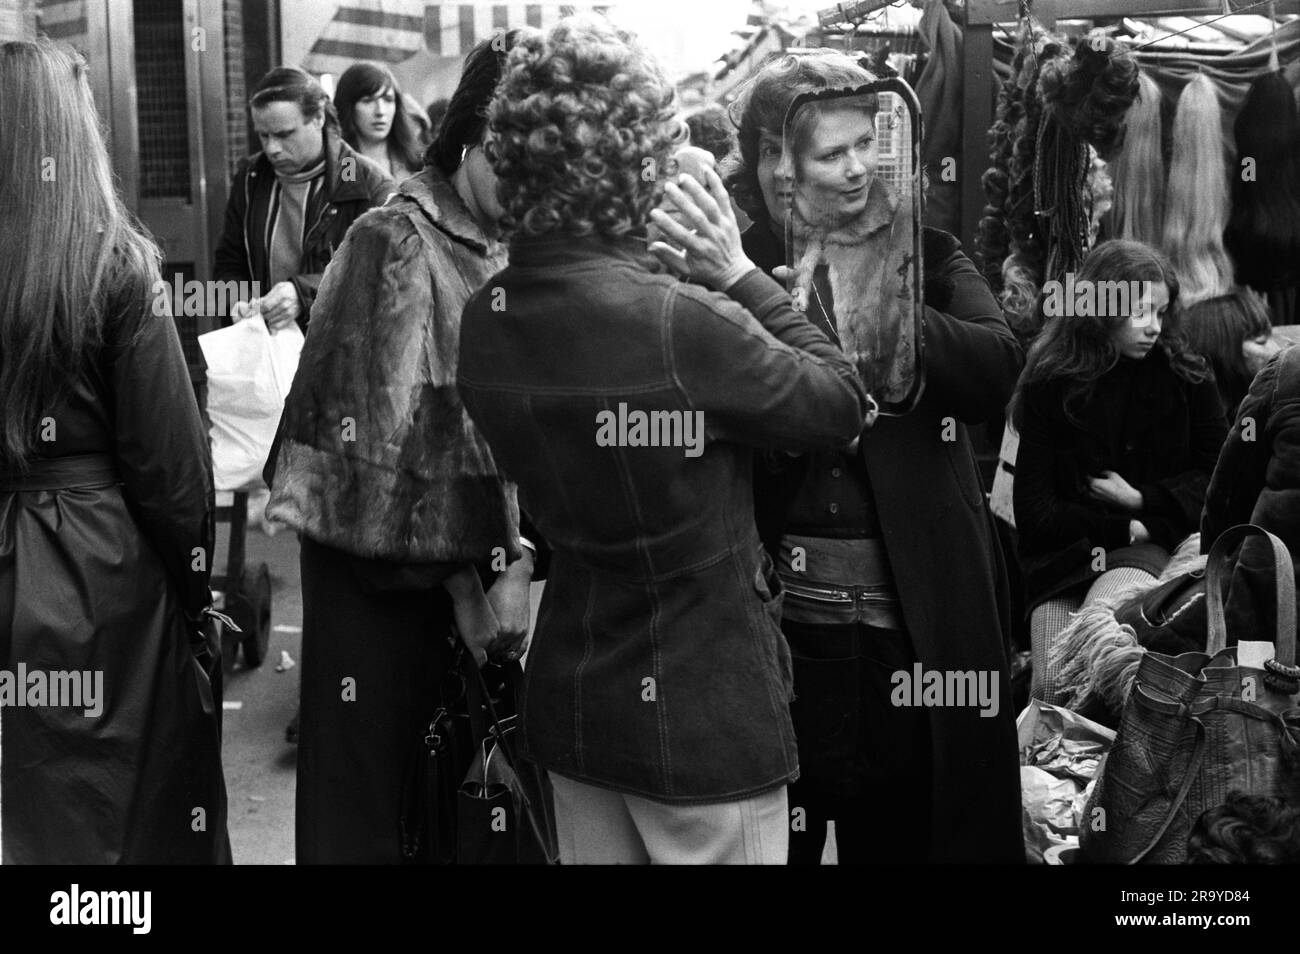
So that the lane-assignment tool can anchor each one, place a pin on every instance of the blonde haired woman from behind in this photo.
(105, 508)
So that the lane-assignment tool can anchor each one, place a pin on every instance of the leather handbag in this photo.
(504, 812)
(440, 756)
(1198, 725)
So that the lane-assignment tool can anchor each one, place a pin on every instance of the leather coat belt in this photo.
(74, 472)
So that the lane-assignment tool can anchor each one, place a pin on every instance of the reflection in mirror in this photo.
(852, 159)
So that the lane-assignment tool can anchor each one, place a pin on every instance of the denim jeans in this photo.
(864, 763)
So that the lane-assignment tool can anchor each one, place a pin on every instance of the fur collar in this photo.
(882, 205)
(438, 199)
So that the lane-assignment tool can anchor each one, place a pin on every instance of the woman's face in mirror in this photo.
(838, 163)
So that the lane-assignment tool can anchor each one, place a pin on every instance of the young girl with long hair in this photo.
(106, 506)
(1120, 426)
(375, 122)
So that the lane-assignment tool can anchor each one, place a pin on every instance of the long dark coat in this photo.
(942, 545)
(105, 556)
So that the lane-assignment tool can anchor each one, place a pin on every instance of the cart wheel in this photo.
(257, 635)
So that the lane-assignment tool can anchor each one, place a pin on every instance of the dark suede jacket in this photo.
(658, 666)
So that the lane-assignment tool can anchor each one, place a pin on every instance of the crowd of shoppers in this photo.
(713, 670)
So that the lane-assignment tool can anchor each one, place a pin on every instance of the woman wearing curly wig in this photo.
(888, 550)
(1120, 427)
(625, 404)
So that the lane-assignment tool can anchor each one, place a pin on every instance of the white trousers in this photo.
(597, 826)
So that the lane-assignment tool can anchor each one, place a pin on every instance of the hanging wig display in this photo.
(1263, 233)
(1196, 202)
(1022, 270)
(1052, 193)
(1088, 96)
(1139, 171)
(1090, 93)
(1100, 194)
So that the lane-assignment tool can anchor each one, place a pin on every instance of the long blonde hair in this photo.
(1138, 212)
(66, 236)
(1196, 203)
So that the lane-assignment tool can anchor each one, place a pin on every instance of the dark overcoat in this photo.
(105, 554)
(942, 545)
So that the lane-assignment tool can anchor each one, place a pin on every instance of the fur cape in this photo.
(377, 455)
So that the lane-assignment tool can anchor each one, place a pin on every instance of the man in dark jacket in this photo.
(291, 203)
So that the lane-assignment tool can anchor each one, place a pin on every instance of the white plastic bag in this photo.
(249, 374)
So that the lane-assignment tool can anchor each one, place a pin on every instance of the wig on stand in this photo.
(1196, 204)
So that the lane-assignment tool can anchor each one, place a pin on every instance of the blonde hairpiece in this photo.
(1196, 204)
(1138, 210)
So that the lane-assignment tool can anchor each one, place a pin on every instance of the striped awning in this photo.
(61, 19)
(392, 31)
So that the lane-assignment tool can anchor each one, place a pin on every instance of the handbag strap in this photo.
(514, 675)
(1219, 565)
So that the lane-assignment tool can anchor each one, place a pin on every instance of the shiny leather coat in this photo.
(106, 547)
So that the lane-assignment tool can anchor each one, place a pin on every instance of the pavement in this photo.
(260, 765)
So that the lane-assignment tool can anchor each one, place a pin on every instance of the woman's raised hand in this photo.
(706, 241)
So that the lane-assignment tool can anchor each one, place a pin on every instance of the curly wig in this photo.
(763, 105)
(711, 129)
(582, 120)
(1246, 830)
(1090, 92)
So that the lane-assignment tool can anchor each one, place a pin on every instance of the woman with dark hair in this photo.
(291, 203)
(1120, 426)
(113, 754)
(404, 519)
(886, 548)
(375, 122)
(1233, 333)
(658, 687)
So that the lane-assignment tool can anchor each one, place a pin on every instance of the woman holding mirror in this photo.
(886, 549)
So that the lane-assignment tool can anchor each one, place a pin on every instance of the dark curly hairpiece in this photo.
(1246, 830)
(580, 124)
